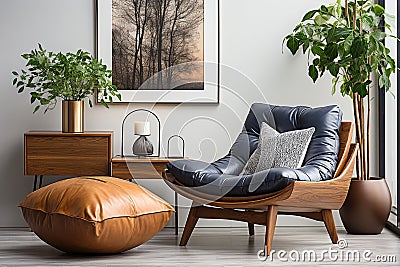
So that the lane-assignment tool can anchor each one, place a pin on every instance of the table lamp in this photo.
(142, 146)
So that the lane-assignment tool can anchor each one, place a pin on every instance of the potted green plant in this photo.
(72, 77)
(345, 39)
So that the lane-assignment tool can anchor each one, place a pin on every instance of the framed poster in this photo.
(161, 51)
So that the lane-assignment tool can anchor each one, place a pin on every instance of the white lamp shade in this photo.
(142, 128)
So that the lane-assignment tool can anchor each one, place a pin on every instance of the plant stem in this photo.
(359, 164)
(364, 138)
(361, 142)
(368, 133)
(346, 12)
(358, 129)
(361, 12)
(355, 15)
(369, 125)
(365, 131)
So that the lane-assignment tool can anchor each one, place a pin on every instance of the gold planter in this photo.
(72, 116)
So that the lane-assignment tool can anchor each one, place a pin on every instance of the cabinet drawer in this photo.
(67, 155)
(139, 170)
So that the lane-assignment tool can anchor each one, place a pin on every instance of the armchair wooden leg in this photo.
(270, 228)
(190, 224)
(251, 228)
(330, 225)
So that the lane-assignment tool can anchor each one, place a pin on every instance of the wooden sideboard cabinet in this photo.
(65, 154)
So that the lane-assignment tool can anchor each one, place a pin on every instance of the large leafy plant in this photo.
(71, 76)
(346, 40)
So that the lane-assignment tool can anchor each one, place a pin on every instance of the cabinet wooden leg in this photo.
(251, 229)
(40, 181)
(34, 183)
(176, 213)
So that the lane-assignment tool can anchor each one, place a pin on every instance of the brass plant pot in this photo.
(367, 206)
(72, 116)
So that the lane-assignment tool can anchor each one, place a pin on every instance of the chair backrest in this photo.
(321, 159)
(345, 135)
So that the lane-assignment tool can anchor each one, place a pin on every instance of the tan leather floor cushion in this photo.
(95, 214)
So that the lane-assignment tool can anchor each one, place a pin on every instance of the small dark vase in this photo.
(367, 206)
(142, 146)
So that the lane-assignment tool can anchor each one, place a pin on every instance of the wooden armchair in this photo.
(314, 200)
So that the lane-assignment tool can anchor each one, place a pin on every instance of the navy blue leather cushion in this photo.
(221, 178)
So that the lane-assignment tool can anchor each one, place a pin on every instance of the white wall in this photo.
(251, 36)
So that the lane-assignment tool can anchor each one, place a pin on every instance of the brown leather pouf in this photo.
(95, 214)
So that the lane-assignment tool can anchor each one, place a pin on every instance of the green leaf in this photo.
(104, 103)
(15, 73)
(384, 81)
(379, 10)
(368, 82)
(374, 63)
(378, 35)
(341, 50)
(348, 42)
(344, 89)
(388, 27)
(331, 51)
(309, 15)
(324, 9)
(333, 69)
(36, 109)
(316, 50)
(338, 9)
(342, 33)
(14, 81)
(334, 84)
(367, 22)
(358, 47)
(306, 45)
(331, 35)
(21, 89)
(300, 36)
(319, 20)
(293, 44)
(309, 30)
(361, 89)
(346, 60)
(313, 73)
(322, 71)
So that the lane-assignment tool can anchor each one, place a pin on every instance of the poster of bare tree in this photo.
(149, 36)
(161, 51)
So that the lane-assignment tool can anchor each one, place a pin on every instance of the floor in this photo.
(216, 247)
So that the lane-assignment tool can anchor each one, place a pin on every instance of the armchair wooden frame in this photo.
(314, 200)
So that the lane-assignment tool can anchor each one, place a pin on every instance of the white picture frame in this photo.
(210, 93)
